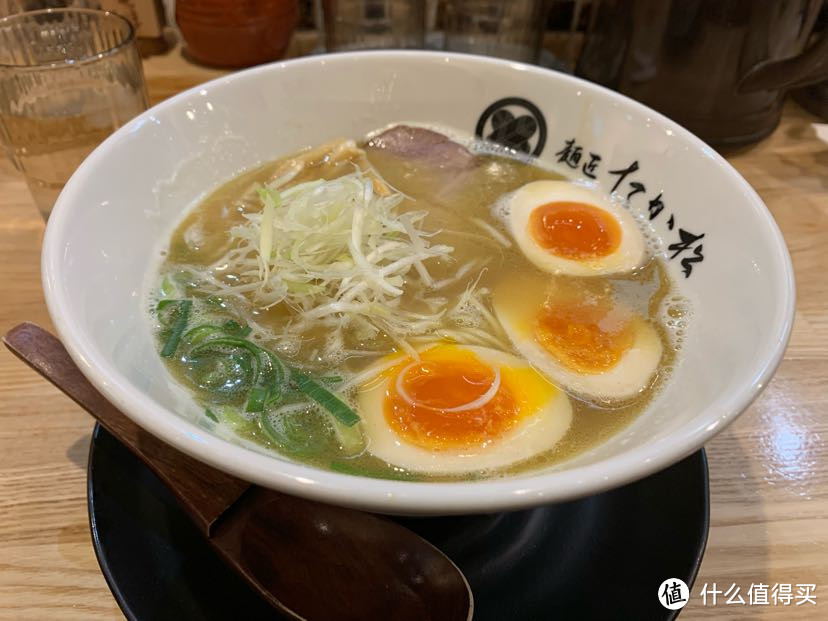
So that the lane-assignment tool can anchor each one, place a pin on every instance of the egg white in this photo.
(515, 210)
(632, 374)
(536, 433)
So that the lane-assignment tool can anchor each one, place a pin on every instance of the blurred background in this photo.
(669, 54)
(721, 68)
(547, 31)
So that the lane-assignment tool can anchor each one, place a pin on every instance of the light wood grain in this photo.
(768, 471)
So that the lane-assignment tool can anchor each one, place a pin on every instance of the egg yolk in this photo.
(584, 337)
(577, 231)
(432, 386)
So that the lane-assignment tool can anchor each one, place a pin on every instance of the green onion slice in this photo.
(256, 399)
(182, 315)
(317, 392)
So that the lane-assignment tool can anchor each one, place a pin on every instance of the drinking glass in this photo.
(510, 29)
(10, 7)
(68, 78)
(364, 24)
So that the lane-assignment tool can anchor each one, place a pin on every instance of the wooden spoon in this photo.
(310, 560)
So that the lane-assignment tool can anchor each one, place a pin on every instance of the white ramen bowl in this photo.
(118, 210)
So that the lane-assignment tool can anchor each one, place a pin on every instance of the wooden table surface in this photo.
(768, 471)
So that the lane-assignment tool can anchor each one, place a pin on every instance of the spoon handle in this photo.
(204, 492)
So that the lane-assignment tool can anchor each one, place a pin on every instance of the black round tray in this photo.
(601, 557)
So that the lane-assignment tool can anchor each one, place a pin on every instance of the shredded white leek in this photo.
(341, 256)
(271, 200)
(496, 235)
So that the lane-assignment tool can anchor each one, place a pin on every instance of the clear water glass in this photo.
(372, 24)
(68, 79)
(510, 29)
(10, 7)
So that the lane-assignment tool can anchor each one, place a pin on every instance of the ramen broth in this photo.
(458, 214)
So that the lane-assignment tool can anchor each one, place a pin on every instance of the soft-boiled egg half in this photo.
(580, 337)
(460, 409)
(565, 228)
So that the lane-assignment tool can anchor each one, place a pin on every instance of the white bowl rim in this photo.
(407, 497)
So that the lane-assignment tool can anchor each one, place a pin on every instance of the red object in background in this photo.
(236, 33)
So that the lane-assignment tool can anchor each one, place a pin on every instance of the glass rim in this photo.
(69, 62)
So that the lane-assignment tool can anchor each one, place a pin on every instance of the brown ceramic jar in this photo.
(236, 33)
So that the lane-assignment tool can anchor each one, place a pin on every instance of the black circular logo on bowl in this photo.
(515, 123)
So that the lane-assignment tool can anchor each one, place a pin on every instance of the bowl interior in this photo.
(116, 214)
